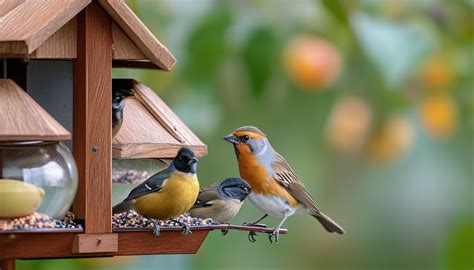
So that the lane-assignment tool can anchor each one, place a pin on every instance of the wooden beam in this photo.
(61, 45)
(7, 264)
(92, 114)
(24, 28)
(143, 38)
(95, 243)
(61, 245)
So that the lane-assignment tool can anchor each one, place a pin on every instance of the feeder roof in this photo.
(26, 24)
(150, 128)
(22, 119)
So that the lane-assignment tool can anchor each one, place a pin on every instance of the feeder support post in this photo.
(92, 114)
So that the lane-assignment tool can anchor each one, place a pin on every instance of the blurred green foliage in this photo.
(405, 198)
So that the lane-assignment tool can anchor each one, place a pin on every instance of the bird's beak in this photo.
(193, 160)
(231, 138)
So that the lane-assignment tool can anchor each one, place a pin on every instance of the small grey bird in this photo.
(118, 103)
(221, 201)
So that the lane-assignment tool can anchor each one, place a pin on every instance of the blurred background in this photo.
(370, 101)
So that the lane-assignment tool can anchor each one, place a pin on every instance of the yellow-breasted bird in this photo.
(276, 189)
(118, 103)
(166, 194)
(221, 201)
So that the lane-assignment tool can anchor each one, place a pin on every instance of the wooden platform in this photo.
(63, 243)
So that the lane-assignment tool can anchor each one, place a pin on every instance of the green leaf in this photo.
(337, 10)
(260, 56)
(394, 48)
(206, 46)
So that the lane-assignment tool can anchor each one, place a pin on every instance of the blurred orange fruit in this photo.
(349, 124)
(393, 138)
(438, 115)
(437, 73)
(312, 62)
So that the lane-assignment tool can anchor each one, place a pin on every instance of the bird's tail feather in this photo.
(122, 207)
(329, 224)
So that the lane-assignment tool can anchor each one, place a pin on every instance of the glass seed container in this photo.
(47, 165)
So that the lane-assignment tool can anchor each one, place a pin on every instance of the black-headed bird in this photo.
(166, 194)
(118, 103)
(221, 201)
(276, 189)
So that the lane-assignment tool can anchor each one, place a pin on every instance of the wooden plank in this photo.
(92, 113)
(60, 245)
(139, 33)
(61, 45)
(141, 243)
(7, 265)
(95, 243)
(26, 27)
(123, 47)
(158, 134)
(22, 119)
(7, 6)
(153, 150)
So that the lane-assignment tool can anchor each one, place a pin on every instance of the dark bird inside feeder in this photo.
(118, 103)
(221, 201)
(166, 194)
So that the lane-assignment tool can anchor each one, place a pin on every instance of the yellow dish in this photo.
(18, 199)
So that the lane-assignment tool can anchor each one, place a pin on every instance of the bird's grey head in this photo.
(234, 188)
(249, 140)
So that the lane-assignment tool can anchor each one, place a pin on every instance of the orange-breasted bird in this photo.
(221, 201)
(276, 189)
(166, 194)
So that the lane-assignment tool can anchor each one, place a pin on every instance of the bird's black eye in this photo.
(245, 138)
(244, 188)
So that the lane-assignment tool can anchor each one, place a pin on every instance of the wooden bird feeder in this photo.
(86, 39)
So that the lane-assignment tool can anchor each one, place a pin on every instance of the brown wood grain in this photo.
(37, 245)
(7, 264)
(139, 33)
(95, 243)
(92, 114)
(123, 47)
(151, 129)
(7, 6)
(24, 28)
(61, 45)
(21, 118)
(60, 245)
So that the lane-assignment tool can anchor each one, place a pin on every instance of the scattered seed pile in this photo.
(131, 219)
(129, 176)
(38, 221)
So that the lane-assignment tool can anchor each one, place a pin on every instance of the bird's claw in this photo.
(251, 236)
(186, 230)
(275, 234)
(156, 228)
(224, 232)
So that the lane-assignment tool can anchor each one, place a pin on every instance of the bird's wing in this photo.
(206, 196)
(152, 184)
(286, 177)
